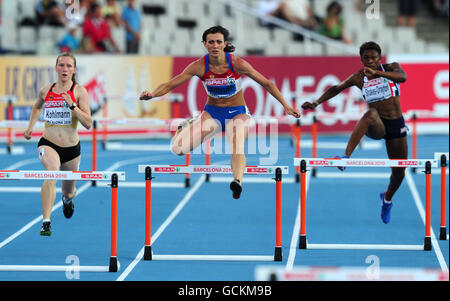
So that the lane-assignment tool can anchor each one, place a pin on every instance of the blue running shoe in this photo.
(385, 209)
(341, 168)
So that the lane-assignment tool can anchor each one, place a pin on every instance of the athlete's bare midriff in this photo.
(388, 108)
(62, 136)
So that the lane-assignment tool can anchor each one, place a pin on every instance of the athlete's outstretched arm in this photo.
(243, 67)
(195, 68)
(332, 92)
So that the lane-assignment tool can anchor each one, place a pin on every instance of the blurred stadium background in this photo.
(174, 27)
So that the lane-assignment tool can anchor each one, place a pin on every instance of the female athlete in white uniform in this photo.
(220, 72)
(384, 119)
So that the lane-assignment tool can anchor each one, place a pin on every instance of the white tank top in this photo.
(379, 88)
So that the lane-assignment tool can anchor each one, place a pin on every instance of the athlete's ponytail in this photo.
(226, 35)
(74, 80)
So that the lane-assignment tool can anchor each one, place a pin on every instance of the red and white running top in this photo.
(379, 88)
(56, 110)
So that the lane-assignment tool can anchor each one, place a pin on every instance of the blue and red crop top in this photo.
(222, 85)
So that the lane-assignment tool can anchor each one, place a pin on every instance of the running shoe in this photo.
(236, 187)
(46, 229)
(341, 168)
(385, 209)
(68, 207)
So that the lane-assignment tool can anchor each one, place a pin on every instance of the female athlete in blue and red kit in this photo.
(221, 74)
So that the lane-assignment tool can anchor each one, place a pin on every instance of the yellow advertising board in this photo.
(115, 78)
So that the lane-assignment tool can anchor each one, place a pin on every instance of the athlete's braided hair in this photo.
(226, 36)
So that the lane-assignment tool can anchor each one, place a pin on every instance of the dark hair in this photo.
(68, 54)
(332, 5)
(224, 32)
(369, 46)
(93, 7)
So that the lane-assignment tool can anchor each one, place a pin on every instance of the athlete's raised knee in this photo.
(371, 115)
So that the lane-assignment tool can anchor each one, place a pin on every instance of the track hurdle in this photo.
(149, 170)
(325, 162)
(114, 177)
(119, 146)
(443, 158)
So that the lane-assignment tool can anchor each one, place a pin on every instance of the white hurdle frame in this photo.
(427, 164)
(278, 171)
(112, 176)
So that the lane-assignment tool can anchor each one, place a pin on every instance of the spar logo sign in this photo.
(94, 176)
(320, 162)
(259, 170)
(409, 163)
(166, 169)
(4, 175)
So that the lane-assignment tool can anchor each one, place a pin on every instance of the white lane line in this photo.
(79, 191)
(164, 225)
(296, 231)
(21, 163)
(161, 229)
(39, 218)
(419, 205)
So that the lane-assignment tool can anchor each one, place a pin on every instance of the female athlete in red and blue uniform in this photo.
(384, 120)
(221, 74)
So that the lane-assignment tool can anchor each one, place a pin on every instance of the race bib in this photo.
(57, 113)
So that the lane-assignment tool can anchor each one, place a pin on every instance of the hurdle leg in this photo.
(314, 144)
(427, 241)
(208, 157)
(113, 263)
(414, 139)
(443, 229)
(105, 127)
(298, 134)
(187, 180)
(278, 249)
(10, 132)
(148, 203)
(302, 240)
(94, 148)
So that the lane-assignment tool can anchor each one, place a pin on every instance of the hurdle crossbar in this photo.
(336, 162)
(112, 176)
(278, 171)
(60, 175)
(211, 169)
(212, 257)
(52, 268)
(333, 162)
